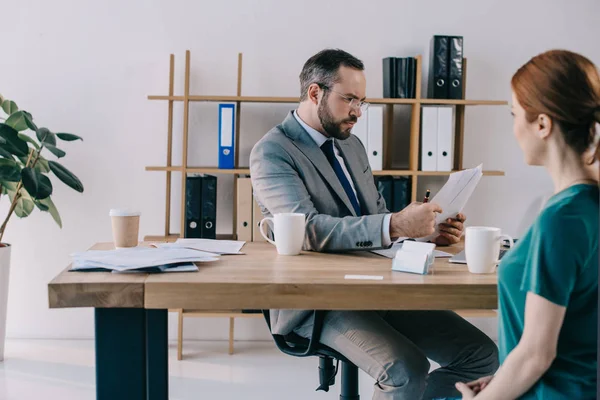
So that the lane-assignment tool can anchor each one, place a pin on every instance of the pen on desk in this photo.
(426, 199)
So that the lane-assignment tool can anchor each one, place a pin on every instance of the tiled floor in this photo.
(64, 370)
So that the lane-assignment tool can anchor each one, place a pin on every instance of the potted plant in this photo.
(24, 172)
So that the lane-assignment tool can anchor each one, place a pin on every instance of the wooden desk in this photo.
(131, 309)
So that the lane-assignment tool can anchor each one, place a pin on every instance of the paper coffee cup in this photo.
(125, 227)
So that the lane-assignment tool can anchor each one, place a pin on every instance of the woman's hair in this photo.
(566, 87)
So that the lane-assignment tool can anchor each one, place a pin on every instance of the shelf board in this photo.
(465, 102)
(246, 171)
(291, 100)
(171, 168)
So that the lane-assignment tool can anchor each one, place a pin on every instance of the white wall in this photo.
(87, 66)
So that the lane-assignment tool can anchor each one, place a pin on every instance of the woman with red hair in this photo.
(548, 283)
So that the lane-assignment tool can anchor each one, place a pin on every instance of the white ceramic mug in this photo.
(482, 248)
(288, 229)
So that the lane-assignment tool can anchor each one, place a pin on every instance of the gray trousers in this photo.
(393, 347)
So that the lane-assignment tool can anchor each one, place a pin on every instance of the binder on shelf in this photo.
(375, 137)
(389, 78)
(386, 189)
(226, 136)
(445, 138)
(401, 193)
(361, 130)
(429, 122)
(438, 68)
(455, 67)
(402, 78)
(257, 216)
(244, 209)
(201, 207)
(399, 76)
(412, 78)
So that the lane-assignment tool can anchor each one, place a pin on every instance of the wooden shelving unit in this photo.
(415, 103)
(238, 99)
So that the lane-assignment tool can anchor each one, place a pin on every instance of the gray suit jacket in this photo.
(290, 173)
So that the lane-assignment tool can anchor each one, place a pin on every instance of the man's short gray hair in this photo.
(322, 68)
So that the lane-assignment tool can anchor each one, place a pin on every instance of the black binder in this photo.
(402, 193)
(438, 68)
(389, 78)
(455, 61)
(201, 207)
(385, 187)
(402, 77)
(412, 78)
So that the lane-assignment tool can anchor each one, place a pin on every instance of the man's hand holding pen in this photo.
(418, 220)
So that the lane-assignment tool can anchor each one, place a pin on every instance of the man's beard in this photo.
(332, 127)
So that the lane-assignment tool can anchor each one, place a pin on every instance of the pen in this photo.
(426, 199)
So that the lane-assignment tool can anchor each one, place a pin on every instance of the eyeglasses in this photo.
(352, 102)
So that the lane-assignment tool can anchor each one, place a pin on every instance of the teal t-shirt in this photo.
(558, 260)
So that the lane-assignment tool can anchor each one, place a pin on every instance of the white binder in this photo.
(375, 137)
(445, 138)
(429, 133)
(361, 129)
(244, 209)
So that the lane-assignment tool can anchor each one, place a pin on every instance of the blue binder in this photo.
(226, 136)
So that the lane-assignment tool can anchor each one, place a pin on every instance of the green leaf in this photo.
(27, 138)
(29, 121)
(21, 121)
(66, 176)
(40, 205)
(13, 144)
(9, 107)
(37, 184)
(69, 137)
(42, 165)
(52, 210)
(8, 187)
(44, 135)
(9, 170)
(55, 150)
(24, 204)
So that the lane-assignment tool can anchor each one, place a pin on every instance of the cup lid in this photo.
(123, 212)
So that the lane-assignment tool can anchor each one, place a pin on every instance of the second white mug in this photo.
(289, 230)
(482, 248)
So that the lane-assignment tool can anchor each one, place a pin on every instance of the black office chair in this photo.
(298, 346)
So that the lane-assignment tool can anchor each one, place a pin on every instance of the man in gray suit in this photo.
(312, 164)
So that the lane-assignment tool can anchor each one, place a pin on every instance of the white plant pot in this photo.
(4, 274)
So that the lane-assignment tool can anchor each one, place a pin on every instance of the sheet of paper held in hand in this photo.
(453, 196)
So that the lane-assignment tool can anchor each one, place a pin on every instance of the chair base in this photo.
(349, 382)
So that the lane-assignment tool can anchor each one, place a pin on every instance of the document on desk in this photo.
(221, 247)
(391, 252)
(453, 196)
(138, 258)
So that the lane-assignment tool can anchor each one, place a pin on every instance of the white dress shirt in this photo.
(320, 139)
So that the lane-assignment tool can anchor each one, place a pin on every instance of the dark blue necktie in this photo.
(329, 151)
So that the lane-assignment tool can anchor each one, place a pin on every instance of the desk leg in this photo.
(157, 351)
(120, 353)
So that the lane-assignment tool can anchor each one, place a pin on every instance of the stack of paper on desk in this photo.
(210, 245)
(141, 259)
